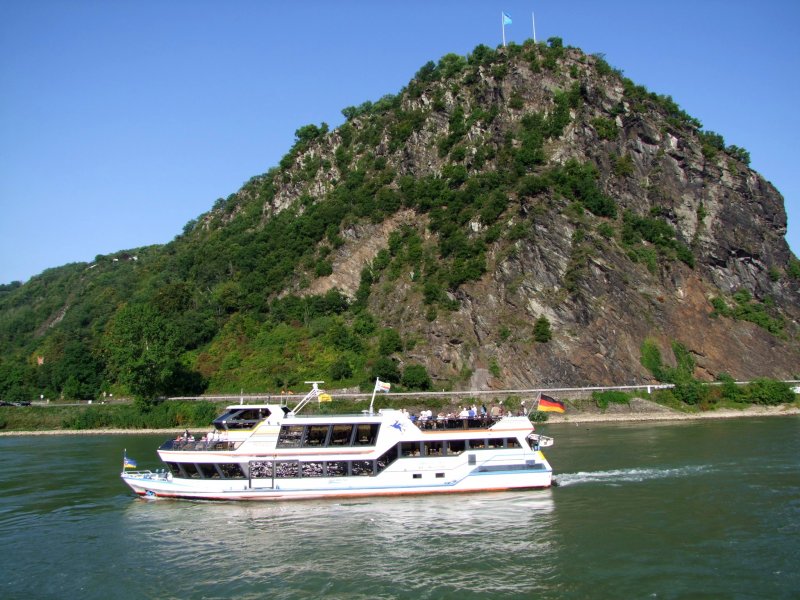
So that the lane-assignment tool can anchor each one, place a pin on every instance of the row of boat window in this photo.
(324, 435)
(336, 468)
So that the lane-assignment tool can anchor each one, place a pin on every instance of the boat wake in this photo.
(621, 476)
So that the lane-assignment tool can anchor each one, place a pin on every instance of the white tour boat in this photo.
(268, 452)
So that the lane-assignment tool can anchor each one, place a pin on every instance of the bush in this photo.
(415, 377)
(340, 369)
(603, 399)
(651, 359)
(606, 128)
(390, 342)
(769, 392)
(541, 330)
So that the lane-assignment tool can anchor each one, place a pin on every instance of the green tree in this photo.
(390, 342)
(385, 368)
(141, 349)
(340, 369)
(416, 377)
(541, 330)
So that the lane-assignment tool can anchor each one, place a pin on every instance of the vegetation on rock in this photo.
(395, 246)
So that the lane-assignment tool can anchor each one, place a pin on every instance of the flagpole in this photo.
(503, 25)
(533, 21)
(374, 389)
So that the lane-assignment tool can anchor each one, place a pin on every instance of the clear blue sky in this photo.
(121, 121)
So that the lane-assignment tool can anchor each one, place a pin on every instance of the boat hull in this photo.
(160, 486)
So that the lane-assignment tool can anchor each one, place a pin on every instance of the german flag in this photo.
(548, 404)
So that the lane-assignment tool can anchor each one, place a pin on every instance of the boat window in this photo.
(455, 446)
(260, 469)
(175, 469)
(440, 476)
(477, 444)
(512, 443)
(244, 418)
(286, 469)
(337, 468)
(409, 448)
(417, 476)
(366, 434)
(316, 435)
(290, 436)
(312, 469)
(341, 434)
(495, 442)
(361, 467)
(471, 460)
(208, 471)
(191, 470)
(387, 458)
(231, 471)
(433, 448)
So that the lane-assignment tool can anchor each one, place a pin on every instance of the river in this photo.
(662, 510)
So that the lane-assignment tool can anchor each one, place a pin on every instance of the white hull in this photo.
(269, 453)
(386, 484)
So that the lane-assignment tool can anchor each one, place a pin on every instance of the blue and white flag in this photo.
(506, 19)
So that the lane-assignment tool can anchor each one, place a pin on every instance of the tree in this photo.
(340, 369)
(416, 377)
(141, 349)
(389, 342)
(541, 330)
(385, 369)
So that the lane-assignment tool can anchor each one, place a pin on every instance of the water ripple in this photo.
(620, 476)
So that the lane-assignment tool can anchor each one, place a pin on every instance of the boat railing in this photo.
(189, 445)
(456, 423)
(150, 475)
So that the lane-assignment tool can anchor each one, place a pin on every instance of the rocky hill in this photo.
(523, 216)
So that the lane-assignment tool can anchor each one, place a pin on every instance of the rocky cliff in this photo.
(603, 284)
(519, 217)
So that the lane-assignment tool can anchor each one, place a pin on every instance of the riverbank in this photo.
(637, 410)
(644, 410)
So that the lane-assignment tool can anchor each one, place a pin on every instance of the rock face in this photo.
(521, 217)
(601, 296)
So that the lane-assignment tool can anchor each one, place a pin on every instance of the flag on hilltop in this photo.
(382, 386)
(505, 20)
(548, 404)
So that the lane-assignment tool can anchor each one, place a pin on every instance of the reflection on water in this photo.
(433, 545)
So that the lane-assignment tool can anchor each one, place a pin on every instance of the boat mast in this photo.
(307, 398)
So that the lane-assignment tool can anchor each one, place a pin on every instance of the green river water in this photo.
(699, 509)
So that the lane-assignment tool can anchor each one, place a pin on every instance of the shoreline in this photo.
(620, 415)
(668, 414)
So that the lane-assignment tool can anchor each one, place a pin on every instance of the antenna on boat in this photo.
(312, 394)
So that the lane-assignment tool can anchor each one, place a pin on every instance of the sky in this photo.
(120, 121)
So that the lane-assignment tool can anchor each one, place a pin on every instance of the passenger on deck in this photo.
(464, 413)
(495, 411)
